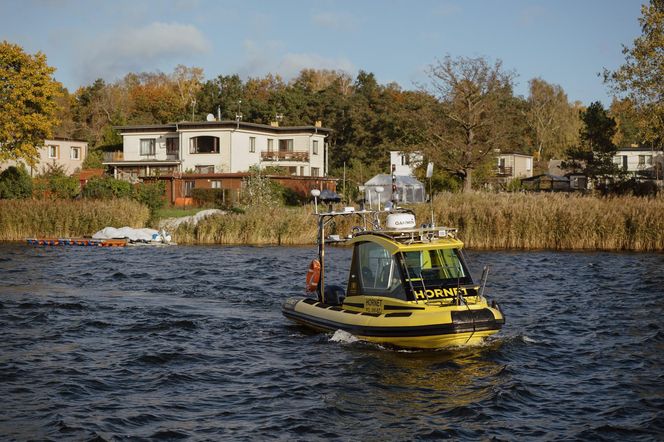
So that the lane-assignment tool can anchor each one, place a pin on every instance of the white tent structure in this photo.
(409, 190)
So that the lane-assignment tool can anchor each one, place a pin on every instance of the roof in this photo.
(640, 149)
(546, 175)
(394, 246)
(227, 124)
(514, 154)
(386, 180)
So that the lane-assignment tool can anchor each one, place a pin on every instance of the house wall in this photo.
(131, 144)
(399, 160)
(234, 149)
(521, 165)
(62, 158)
(633, 160)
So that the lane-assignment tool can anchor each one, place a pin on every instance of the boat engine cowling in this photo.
(334, 295)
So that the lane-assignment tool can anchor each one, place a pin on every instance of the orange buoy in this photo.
(313, 275)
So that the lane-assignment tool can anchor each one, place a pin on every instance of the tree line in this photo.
(459, 118)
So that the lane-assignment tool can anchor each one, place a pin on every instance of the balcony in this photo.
(113, 156)
(504, 171)
(300, 156)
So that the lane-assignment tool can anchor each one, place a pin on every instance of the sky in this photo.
(564, 42)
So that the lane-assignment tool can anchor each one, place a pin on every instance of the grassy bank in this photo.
(485, 220)
(20, 219)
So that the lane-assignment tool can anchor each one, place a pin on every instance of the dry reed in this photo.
(485, 221)
(43, 218)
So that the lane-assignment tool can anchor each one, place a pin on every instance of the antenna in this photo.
(429, 175)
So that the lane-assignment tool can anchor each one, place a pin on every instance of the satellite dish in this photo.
(210, 117)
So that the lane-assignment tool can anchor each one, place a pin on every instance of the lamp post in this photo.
(315, 193)
(379, 190)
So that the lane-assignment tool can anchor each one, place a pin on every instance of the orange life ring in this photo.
(313, 275)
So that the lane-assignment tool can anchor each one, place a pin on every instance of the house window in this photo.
(204, 169)
(314, 148)
(642, 160)
(315, 171)
(649, 160)
(252, 144)
(204, 144)
(188, 187)
(529, 164)
(215, 184)
(286, 145)
(75, 153)
(53, 152)
(148, 147)
(270, 145)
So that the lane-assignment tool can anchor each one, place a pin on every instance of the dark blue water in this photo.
(189, 343)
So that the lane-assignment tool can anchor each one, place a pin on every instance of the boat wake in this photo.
(343, 337)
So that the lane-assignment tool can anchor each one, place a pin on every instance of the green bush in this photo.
(152, 195)
(208, 197)
(64, 187)
(107, 188)
(15, 183)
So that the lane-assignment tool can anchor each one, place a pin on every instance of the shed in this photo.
(409, 189)
(546, 182)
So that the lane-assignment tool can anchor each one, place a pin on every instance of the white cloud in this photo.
(141, 49)
(337, 21)
(291, 64)
(271, 57)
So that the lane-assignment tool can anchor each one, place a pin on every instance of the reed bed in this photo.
(20, 219)
(485, 221)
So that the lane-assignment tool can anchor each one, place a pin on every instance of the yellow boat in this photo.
(408, 286)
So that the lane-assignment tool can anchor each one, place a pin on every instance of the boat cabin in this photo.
(409, 272)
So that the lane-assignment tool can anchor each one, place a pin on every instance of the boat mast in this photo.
(321, 256)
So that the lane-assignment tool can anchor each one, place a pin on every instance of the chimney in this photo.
(274, 123)
(318, 123)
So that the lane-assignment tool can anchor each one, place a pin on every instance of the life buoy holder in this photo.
(313, 275)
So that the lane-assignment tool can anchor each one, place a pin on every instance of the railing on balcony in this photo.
(285, 156)
(504, 171)
(114, 156)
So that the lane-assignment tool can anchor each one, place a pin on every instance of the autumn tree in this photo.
(641, 77)
(28, 106)
(469, 122)
(554, 122)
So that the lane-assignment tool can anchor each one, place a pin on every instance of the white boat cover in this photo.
(146, 235)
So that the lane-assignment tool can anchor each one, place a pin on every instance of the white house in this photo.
(405, 163)
(514, 165)
(62, 152)
(641, 161)
(218, 147)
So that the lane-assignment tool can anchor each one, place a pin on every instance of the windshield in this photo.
(435, 269)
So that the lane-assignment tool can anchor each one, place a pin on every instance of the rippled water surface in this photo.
(189, 343)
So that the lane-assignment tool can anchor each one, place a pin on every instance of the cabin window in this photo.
(204, 144)
(375, 272)
(436, 268)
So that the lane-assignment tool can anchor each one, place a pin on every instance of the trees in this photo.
(641, 77)
(470, 119)
(594, 156)
(555, 124)
(27, 103)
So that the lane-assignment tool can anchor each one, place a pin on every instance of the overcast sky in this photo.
(565, 42)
